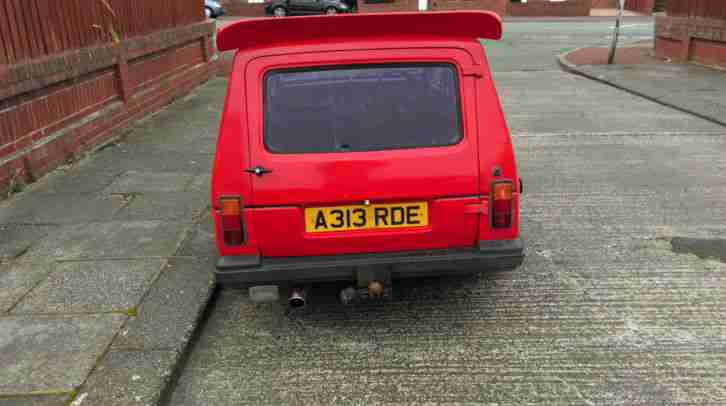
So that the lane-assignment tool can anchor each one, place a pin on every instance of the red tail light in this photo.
(232, 227)
(502, 204)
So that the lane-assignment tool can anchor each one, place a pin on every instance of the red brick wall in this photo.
(715, 9)
(152, 68)
(709, 52)
(501, 7)
(541, 8)
(640, 6)
(698, 39)
(54, 108)
(497, 6)
(667, 48)
(397, 5)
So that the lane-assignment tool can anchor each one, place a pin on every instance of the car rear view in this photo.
(363, 158)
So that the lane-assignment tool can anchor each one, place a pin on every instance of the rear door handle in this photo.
(258, 170)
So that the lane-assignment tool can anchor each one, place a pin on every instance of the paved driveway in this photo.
(603, 311)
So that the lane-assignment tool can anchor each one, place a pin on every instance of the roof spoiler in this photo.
(271, 32)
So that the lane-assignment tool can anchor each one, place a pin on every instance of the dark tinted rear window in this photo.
(361, 109)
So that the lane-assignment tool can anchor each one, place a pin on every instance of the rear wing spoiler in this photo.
(272, 32)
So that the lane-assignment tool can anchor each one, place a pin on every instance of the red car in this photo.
(362, 148)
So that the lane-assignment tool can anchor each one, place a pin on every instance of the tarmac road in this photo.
(603, 311)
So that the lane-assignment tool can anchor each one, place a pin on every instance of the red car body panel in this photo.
(450, 227)
(455, 180)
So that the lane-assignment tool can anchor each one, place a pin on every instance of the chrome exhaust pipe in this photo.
(297, 298)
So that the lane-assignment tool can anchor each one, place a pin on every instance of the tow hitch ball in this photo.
(375, 290)
(298, 296)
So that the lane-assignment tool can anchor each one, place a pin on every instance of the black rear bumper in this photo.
(253, 270)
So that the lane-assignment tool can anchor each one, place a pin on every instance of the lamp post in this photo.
(616, 33)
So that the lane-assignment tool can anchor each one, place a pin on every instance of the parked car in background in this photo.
(213, 9)
(282, 8)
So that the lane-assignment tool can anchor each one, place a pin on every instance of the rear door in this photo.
(360, 157)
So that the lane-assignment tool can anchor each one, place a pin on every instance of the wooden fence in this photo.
(31, 29)
(72, 71)
(715, 9)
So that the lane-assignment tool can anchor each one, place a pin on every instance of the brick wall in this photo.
(699, 39)
(383, 7)
(501, 7)
(56, 107)
(640, 6)
(541, 8)
(497, 6)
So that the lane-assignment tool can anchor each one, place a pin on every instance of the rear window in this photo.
(361, 108)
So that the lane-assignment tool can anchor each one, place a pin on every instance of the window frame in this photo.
(448, 64)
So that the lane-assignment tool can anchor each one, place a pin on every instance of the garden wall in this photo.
(692, 30)
(70, 75)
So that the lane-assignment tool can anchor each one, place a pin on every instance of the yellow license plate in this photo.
(374, 216)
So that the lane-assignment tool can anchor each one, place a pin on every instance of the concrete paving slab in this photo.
(112, 240)
(171, 310)
(647, 164)
(17, 279)
(147, 182)
(58, 208)
(199, 144)
(52, 353)
(688, 88)
(193, 131)
(714, 97)
(75, 179)
(123, 157)
(182, 206)
(188, 117)
(200, 242)
(91, 287)
(168, 138)
(670, 77)
(39, 400)
(706, 103)
(202, 182)
(126, 378)
(558, 102)
(201, 111)
(43, 355)
(16, 240)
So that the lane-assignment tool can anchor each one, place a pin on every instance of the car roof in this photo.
(279, 32)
